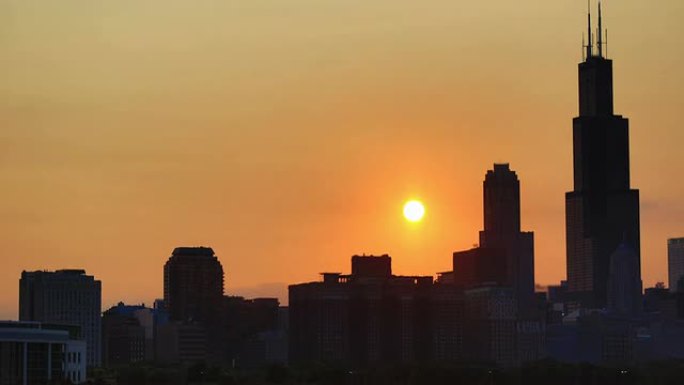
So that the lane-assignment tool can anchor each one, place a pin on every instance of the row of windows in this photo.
(75, 376)
(73, 357)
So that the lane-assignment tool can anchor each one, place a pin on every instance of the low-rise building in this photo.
(32, 353)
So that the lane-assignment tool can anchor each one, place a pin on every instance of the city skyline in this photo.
(113, 183)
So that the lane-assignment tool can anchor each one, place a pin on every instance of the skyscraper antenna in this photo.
(600, 32)
(590, 46)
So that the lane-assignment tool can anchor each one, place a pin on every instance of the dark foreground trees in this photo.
(540, 373)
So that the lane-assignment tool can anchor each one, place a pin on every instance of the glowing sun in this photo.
(414, 211)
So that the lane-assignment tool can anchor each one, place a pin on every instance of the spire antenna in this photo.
(600, 31)
(590, 46)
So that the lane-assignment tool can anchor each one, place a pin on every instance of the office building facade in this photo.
(32, 353)
(67, 297)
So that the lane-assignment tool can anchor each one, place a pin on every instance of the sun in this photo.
(414, 211)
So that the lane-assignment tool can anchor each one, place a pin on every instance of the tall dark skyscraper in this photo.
(505, 254)
(193, 284)
(501, 189)
(602, 210)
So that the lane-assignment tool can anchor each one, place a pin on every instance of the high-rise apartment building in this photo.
(193, 284)
(67, 297)
(675, 264)
(602, 211)
(370, 317)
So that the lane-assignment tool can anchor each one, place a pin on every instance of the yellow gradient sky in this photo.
(287, 134)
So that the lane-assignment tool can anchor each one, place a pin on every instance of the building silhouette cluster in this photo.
(195, 322)
(485, 311)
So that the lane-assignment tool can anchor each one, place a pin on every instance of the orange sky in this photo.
(287, 134)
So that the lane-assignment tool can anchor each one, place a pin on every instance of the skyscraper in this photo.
(505, 254)
(624, 283)
(675, 263)
(602, 210)
(66, 297)
(193, 284)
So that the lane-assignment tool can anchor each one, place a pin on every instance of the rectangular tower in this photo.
(501, 198)
(65, 297)
(675, 263)
(602, 211)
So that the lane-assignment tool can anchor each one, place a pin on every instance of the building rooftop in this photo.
(33, 331)
(71, 271)
(200, 251)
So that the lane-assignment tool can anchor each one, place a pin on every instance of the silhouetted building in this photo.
(371, 267)
(494, 332)
(366, 318)
(624, 283)
(268, 346)
(597, 337)
(193, 284)
(179, 342)
(128, 333)
(663, 303)
(251, 331)
(491, 314)
(32, 353)
(602, 209)
(447, 323)
(480, 265)
(556, 293)
(505, 255)
(68, 297)
(675, 264)
(556, 303)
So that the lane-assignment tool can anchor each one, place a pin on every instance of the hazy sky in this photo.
(286, 134)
